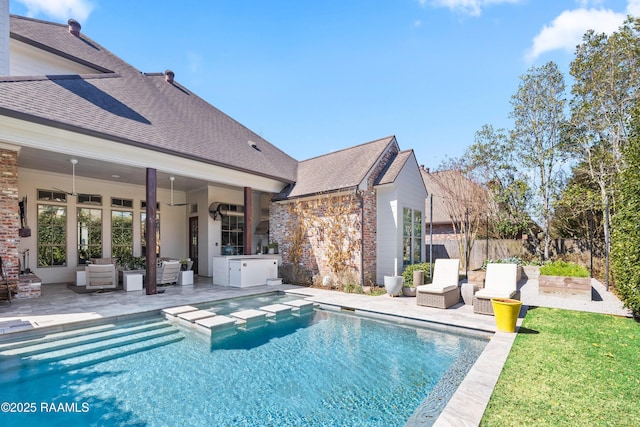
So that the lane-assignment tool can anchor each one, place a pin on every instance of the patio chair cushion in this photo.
(501, 281)
(445, 272)
(435, 289)
(489, 293)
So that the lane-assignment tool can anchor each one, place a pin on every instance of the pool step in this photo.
(278, 310)
(49, 360)
(63, 341)
(56, 336)
(300, 304)
(209, 323)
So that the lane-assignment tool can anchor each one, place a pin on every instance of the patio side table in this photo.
(185, 278)
(468, 289)
(132, 282)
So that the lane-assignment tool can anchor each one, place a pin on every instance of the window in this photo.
(121, 233)
(90, 199)
(52, 235)
(411, 236)
(89, 234)
(52, 196)
(233, 232)
(143, 205)
(143, 232)
(121, 203)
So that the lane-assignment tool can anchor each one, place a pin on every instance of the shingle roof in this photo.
(392, 172)
(131, 107)
(339, 170)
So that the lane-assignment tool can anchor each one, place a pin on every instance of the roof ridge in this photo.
(348, 148)
(41, 21)
(36, 78)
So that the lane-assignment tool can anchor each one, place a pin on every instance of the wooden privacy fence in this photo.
(498, 249)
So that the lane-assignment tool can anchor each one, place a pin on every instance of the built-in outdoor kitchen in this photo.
(246, 270)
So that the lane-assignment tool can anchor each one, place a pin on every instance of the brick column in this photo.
(9, 212)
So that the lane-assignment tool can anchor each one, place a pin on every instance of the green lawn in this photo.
(569, 368)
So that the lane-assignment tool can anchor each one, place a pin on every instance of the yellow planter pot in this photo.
(506, 312)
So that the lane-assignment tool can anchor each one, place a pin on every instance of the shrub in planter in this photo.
(562, 268)
(407, 274)
(565, 278)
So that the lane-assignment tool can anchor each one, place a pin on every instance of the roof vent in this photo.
(168, 76)
(74, 27)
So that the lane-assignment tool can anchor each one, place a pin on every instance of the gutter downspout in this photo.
(360, 196)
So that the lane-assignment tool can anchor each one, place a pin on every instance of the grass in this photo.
(569, 368)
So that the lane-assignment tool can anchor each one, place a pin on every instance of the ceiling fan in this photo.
(171, 178)
(74, 162)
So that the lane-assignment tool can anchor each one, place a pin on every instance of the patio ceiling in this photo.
(48, 161)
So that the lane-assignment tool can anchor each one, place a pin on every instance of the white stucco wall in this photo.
(406, 192)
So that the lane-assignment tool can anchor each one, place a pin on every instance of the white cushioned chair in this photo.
(501, 282)
(101, 276)
(168, 273)
(443, 291)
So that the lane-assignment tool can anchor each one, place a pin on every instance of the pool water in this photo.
(319, 369)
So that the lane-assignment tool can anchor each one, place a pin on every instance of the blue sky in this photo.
(318, 76)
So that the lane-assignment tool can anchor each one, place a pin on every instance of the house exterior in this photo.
(376, 190)
(92, 149)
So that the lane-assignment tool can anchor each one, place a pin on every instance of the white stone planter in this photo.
(393, 285)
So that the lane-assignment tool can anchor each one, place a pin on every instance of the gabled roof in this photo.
(389, 176)
(130, 107)
(340, 170)
(55, 38)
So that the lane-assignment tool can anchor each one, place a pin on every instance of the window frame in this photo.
(61, 246)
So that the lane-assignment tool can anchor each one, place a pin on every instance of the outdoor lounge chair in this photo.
(101, 276)
(501, 282)
(443, 291)
(168, 273)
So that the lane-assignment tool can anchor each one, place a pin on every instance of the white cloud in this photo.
(467, 7)
(59, 9)
(633, 7)
(566, 31)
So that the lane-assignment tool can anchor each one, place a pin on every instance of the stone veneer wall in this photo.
(314, 252)
(9, 213)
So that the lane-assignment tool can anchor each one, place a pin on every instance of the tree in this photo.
(538, 111)
(577, 212)
(626, 225)
(607, 78)
(490, 161)
(464, 201)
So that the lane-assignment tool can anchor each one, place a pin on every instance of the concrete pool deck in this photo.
(59, 308)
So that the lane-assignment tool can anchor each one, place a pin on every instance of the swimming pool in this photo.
(320, 368)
